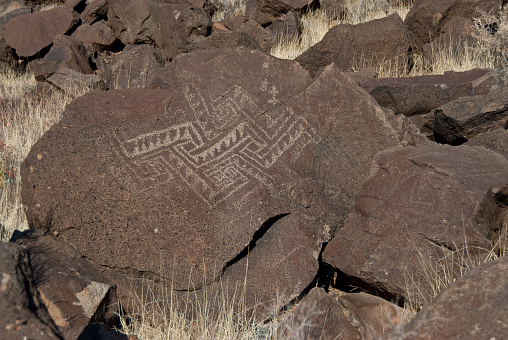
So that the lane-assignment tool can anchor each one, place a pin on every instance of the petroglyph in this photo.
(228, 147)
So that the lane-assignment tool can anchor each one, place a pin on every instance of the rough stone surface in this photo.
(74, 291)
(30, 33)
(495, 140)
(318, 316)
(277, 8)
(96, 37)
(473, 307)
(417, 201)
(287, 25)
(465, 118)
(65, 53)
(249, 35)
(427, 18)
(417, 95)
(169, 27)
(131, 68)
(22, 314)
(74, 83)
(359, 46)
(184, 177)
(371, 315)
(95, 10)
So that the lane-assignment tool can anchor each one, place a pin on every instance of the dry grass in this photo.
(444, 267)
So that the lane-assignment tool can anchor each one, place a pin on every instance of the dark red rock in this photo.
(65, 53)
(131, 68)
(74, 83)
(30, 33)
(287, 25)
(318, 316)
(426, 19)
(495, 140)
(349, 47)
(74, 291)
(466, 118)
(472, 307)
(95, 37)
(95, 10)
(417, 201)
(169, 27)
(417, 95)
(22, 314)
(184, 177)
(277, 8)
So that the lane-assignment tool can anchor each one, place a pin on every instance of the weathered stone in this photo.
(30, 33)
(95, 10)
(418, 205)
(278, 267)
(277, 8)
(74, 291)
(100, 331)
(427, 18)
(371, 315)
(9, 10)
(95, 37)
(235, 22)
(22, 314)
(359, 46)
(318, 316)
(74, 83)
(131, 68)
(65, 53)
(495, 140)
(194, 171)
(408, 132)
(287, 25)
(472, 307)
(417, 95)
(465, 118)
(169, 27)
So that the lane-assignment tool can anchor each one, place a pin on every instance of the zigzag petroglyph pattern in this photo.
(222, 151)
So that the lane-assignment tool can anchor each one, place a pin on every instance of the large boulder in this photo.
(28, 34)
(168, 26)
(472, 307)
(184, 178)
(419, 95)
(382, 41)
(418, 206)
(22, 313)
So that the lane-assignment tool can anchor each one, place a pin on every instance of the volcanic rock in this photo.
(74, 292)
(472, 307)
(28, 34)
(169, 27)
(417, 95)
(183, 178)
(418, 205)
(22, 314)
(349, 47)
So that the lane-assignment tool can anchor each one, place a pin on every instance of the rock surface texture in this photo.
(194, 171)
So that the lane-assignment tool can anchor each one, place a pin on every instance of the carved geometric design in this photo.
(224, 150)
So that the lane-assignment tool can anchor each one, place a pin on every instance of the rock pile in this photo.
(202, 162)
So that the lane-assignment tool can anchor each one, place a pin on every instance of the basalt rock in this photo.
(176, 183)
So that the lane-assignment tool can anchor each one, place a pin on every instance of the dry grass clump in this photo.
(161, 315)
(442, 269)
(228, 9)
